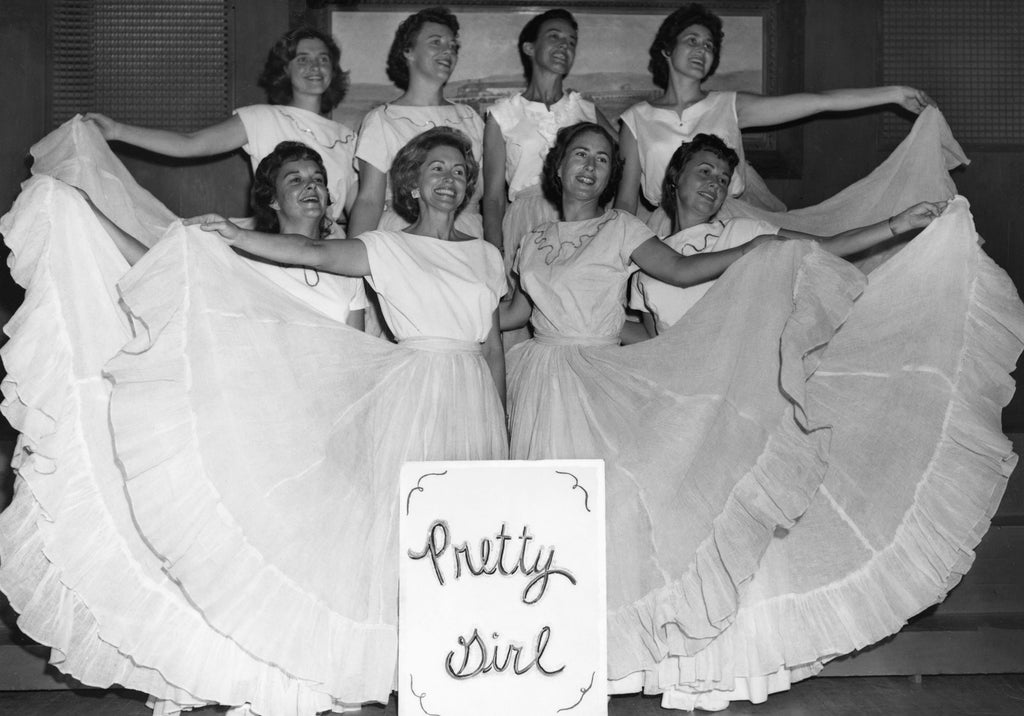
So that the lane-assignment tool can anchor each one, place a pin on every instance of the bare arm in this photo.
(853, 241)
(757, 111)
(357, 319)
(215, 139)
(369, 204)
(629, 186)
(494, 183)
(131, 248)
(514, 311)
(346, 257)
(494, 354)
(635, 332)
(656, 258)
(603, 121)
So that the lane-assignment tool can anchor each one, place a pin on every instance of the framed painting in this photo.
(760, 54)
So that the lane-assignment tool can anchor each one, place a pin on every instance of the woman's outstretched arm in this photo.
(759, 111)
(218, 138)
(853, 241)
(657, 259)
(346, 257)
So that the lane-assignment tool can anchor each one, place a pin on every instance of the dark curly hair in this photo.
(531, 31)
(682, 156)
(550, 180)
(276, 81)
(264, 185)
(405, 37)
(405, 169)
(665, 40)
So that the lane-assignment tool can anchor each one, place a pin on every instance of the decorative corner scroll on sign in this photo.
(578, 486)
(419, 487)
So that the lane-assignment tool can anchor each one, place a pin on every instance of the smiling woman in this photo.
(423, 55)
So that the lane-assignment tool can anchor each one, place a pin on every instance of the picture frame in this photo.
(762, 53)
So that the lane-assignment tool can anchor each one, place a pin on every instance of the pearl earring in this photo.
(415, 193)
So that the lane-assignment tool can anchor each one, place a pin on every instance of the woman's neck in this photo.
(436, 225)
(422, 94)
(574, 210)
(310, 228)
(544, 87)
(681, 92)
(685, 218)
(308, 102)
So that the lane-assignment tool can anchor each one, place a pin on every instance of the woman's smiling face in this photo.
(443, 177)
(300, 191)
(587, 166)
(703, 184)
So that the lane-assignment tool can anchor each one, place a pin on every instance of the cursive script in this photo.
(493, 556)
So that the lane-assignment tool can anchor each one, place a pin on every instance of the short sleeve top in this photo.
(432, 288)
(576, 273)
(529, 129)
(389, 127)
(669, 303)
(267, 125)
(659, 131)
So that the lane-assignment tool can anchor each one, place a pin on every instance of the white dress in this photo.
(267, 125)
(529, 130)
(792, 470)
(669, 303)
(215, 521)
(389, 127)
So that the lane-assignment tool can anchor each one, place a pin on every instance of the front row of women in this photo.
(260, 440)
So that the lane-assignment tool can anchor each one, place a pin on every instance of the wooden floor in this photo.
(994, 695)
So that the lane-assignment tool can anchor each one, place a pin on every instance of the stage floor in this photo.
(991, 695)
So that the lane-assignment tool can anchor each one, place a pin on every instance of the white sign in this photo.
(502, 589)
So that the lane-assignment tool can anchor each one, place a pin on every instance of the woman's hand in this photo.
(917, 216)
(217, 223)
(107, 126)
(912, 99)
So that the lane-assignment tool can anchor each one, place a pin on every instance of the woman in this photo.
(289, 195)
(776, 406)
(521, 129)
(434, 175)
(304, 83)
(422, 57)
(262, 439)
(685, 52)
(695, 187)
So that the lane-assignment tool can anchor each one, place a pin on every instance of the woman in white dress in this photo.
(521, 129)
(695, 187)
(685, 52)
(422, 57)
(304, 83)
(777, 406)
(215, 522)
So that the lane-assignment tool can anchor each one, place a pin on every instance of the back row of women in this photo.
(797, 463)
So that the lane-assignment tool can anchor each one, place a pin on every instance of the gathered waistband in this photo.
(552, 340)
(441, 345)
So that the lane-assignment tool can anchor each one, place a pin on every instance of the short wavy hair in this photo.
(551, 182)
(665, 39)
(405, 169)
(531, 31)
(275, 79)
(405, 37)
(264, 185)
(682, 156)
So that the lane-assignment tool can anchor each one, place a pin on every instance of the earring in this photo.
(415, 193)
